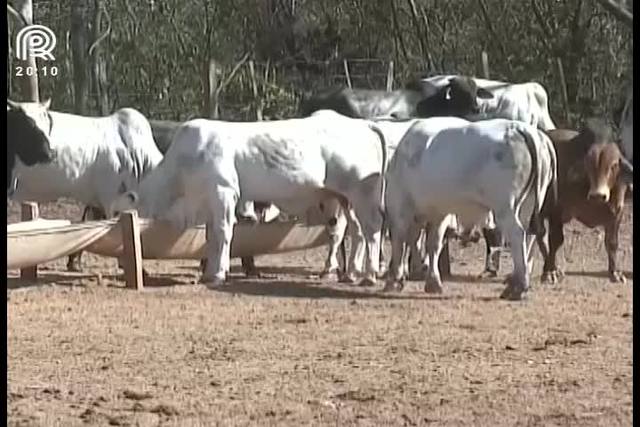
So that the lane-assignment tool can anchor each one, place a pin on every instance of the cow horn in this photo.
(12, 104)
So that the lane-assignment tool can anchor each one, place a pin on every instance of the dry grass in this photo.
(290, 350)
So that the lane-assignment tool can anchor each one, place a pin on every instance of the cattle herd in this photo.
(441, 158)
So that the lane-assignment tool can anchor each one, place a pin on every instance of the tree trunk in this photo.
(28, 84)
(79, 47)
(98, 65)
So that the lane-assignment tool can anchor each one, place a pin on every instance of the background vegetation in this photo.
(154, 54)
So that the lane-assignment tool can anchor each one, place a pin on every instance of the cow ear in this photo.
(132, 197)
(484, 94)
(46, 104)
(626, 171)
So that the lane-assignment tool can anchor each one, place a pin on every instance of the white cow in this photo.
(496, 165)
(95, 156)
(332, 210)
(292, 163)
(626, 126)
(526, 102)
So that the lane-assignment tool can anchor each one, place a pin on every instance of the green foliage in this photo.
(157, 50)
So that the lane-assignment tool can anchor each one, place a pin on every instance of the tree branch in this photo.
(617, 10)
(17, 15)
(103, 10)
(232, 73)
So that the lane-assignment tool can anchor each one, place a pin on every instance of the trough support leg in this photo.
(132, 248)
(28, 212)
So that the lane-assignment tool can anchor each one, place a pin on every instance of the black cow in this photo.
(458, 98)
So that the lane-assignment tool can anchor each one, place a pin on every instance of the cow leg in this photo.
(74, 262)
(416, 261)
(343, 254)
(550, 271)
(435, 243)
(219, 235)
(444, 260)
(611, 245)
(249, 266)
(371, 220)
(356, 257)
(493, 242)
(518, 281)
(336, 227)
(382, 265)
(399, 229)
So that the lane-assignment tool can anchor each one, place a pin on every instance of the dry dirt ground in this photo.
(290, 350)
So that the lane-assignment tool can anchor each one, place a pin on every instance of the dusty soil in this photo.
(291, 350)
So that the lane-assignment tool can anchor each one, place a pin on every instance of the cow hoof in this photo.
(552, 277)
(212, 282)
(488, 274)
(512, 294)
(392, 286)
(617, 277)
(253, 274)
(515, 290)
(367, 282)
(73, 267)
(433, 285)
(348, 278)
(330, 276)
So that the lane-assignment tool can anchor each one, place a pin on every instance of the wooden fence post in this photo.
(346, 72)
(28, 212)
(563, 88)
(132, 250)
(390, 77)
(254, 87)
(485, 64)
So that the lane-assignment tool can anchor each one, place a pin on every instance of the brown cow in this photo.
(592, 180)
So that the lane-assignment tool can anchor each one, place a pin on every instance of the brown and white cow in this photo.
(593, 177)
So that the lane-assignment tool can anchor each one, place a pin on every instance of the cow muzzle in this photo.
(600, 194)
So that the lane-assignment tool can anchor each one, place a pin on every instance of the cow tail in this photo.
(554, 169)
(533, 183)
(383, 145)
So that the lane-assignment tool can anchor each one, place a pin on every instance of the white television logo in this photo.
(35, 41)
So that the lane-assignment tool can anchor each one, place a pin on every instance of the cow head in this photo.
(458, 98)
(127, 200)
(28, 127)
(604, 164)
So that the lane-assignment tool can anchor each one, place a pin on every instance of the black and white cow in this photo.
(96, 158)
(26, 141)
